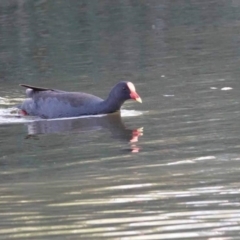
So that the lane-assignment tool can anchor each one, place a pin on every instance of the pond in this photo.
(164, 169)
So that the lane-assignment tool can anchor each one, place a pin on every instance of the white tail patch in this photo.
(131, 86)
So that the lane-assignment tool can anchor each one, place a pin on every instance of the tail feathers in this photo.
(36, 88)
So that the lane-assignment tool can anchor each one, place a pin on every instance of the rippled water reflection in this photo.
(116, 200)
(166, 169)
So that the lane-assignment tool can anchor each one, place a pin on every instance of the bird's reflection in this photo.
(111, 122)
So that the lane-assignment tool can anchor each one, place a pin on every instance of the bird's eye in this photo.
(124, 88)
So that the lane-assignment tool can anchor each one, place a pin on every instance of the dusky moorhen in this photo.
(52, 103)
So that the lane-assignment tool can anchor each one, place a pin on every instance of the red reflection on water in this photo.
(136, 133)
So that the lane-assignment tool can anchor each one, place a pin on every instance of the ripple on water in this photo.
(11, 116)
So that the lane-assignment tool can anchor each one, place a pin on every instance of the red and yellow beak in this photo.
(133, 93)
(135, 96)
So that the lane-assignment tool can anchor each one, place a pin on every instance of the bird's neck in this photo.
(111, 104)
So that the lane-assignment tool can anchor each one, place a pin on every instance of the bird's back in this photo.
(51, 103)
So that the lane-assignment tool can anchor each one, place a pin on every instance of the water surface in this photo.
(164, 169)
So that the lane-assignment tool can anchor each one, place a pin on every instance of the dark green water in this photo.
(164, 169)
